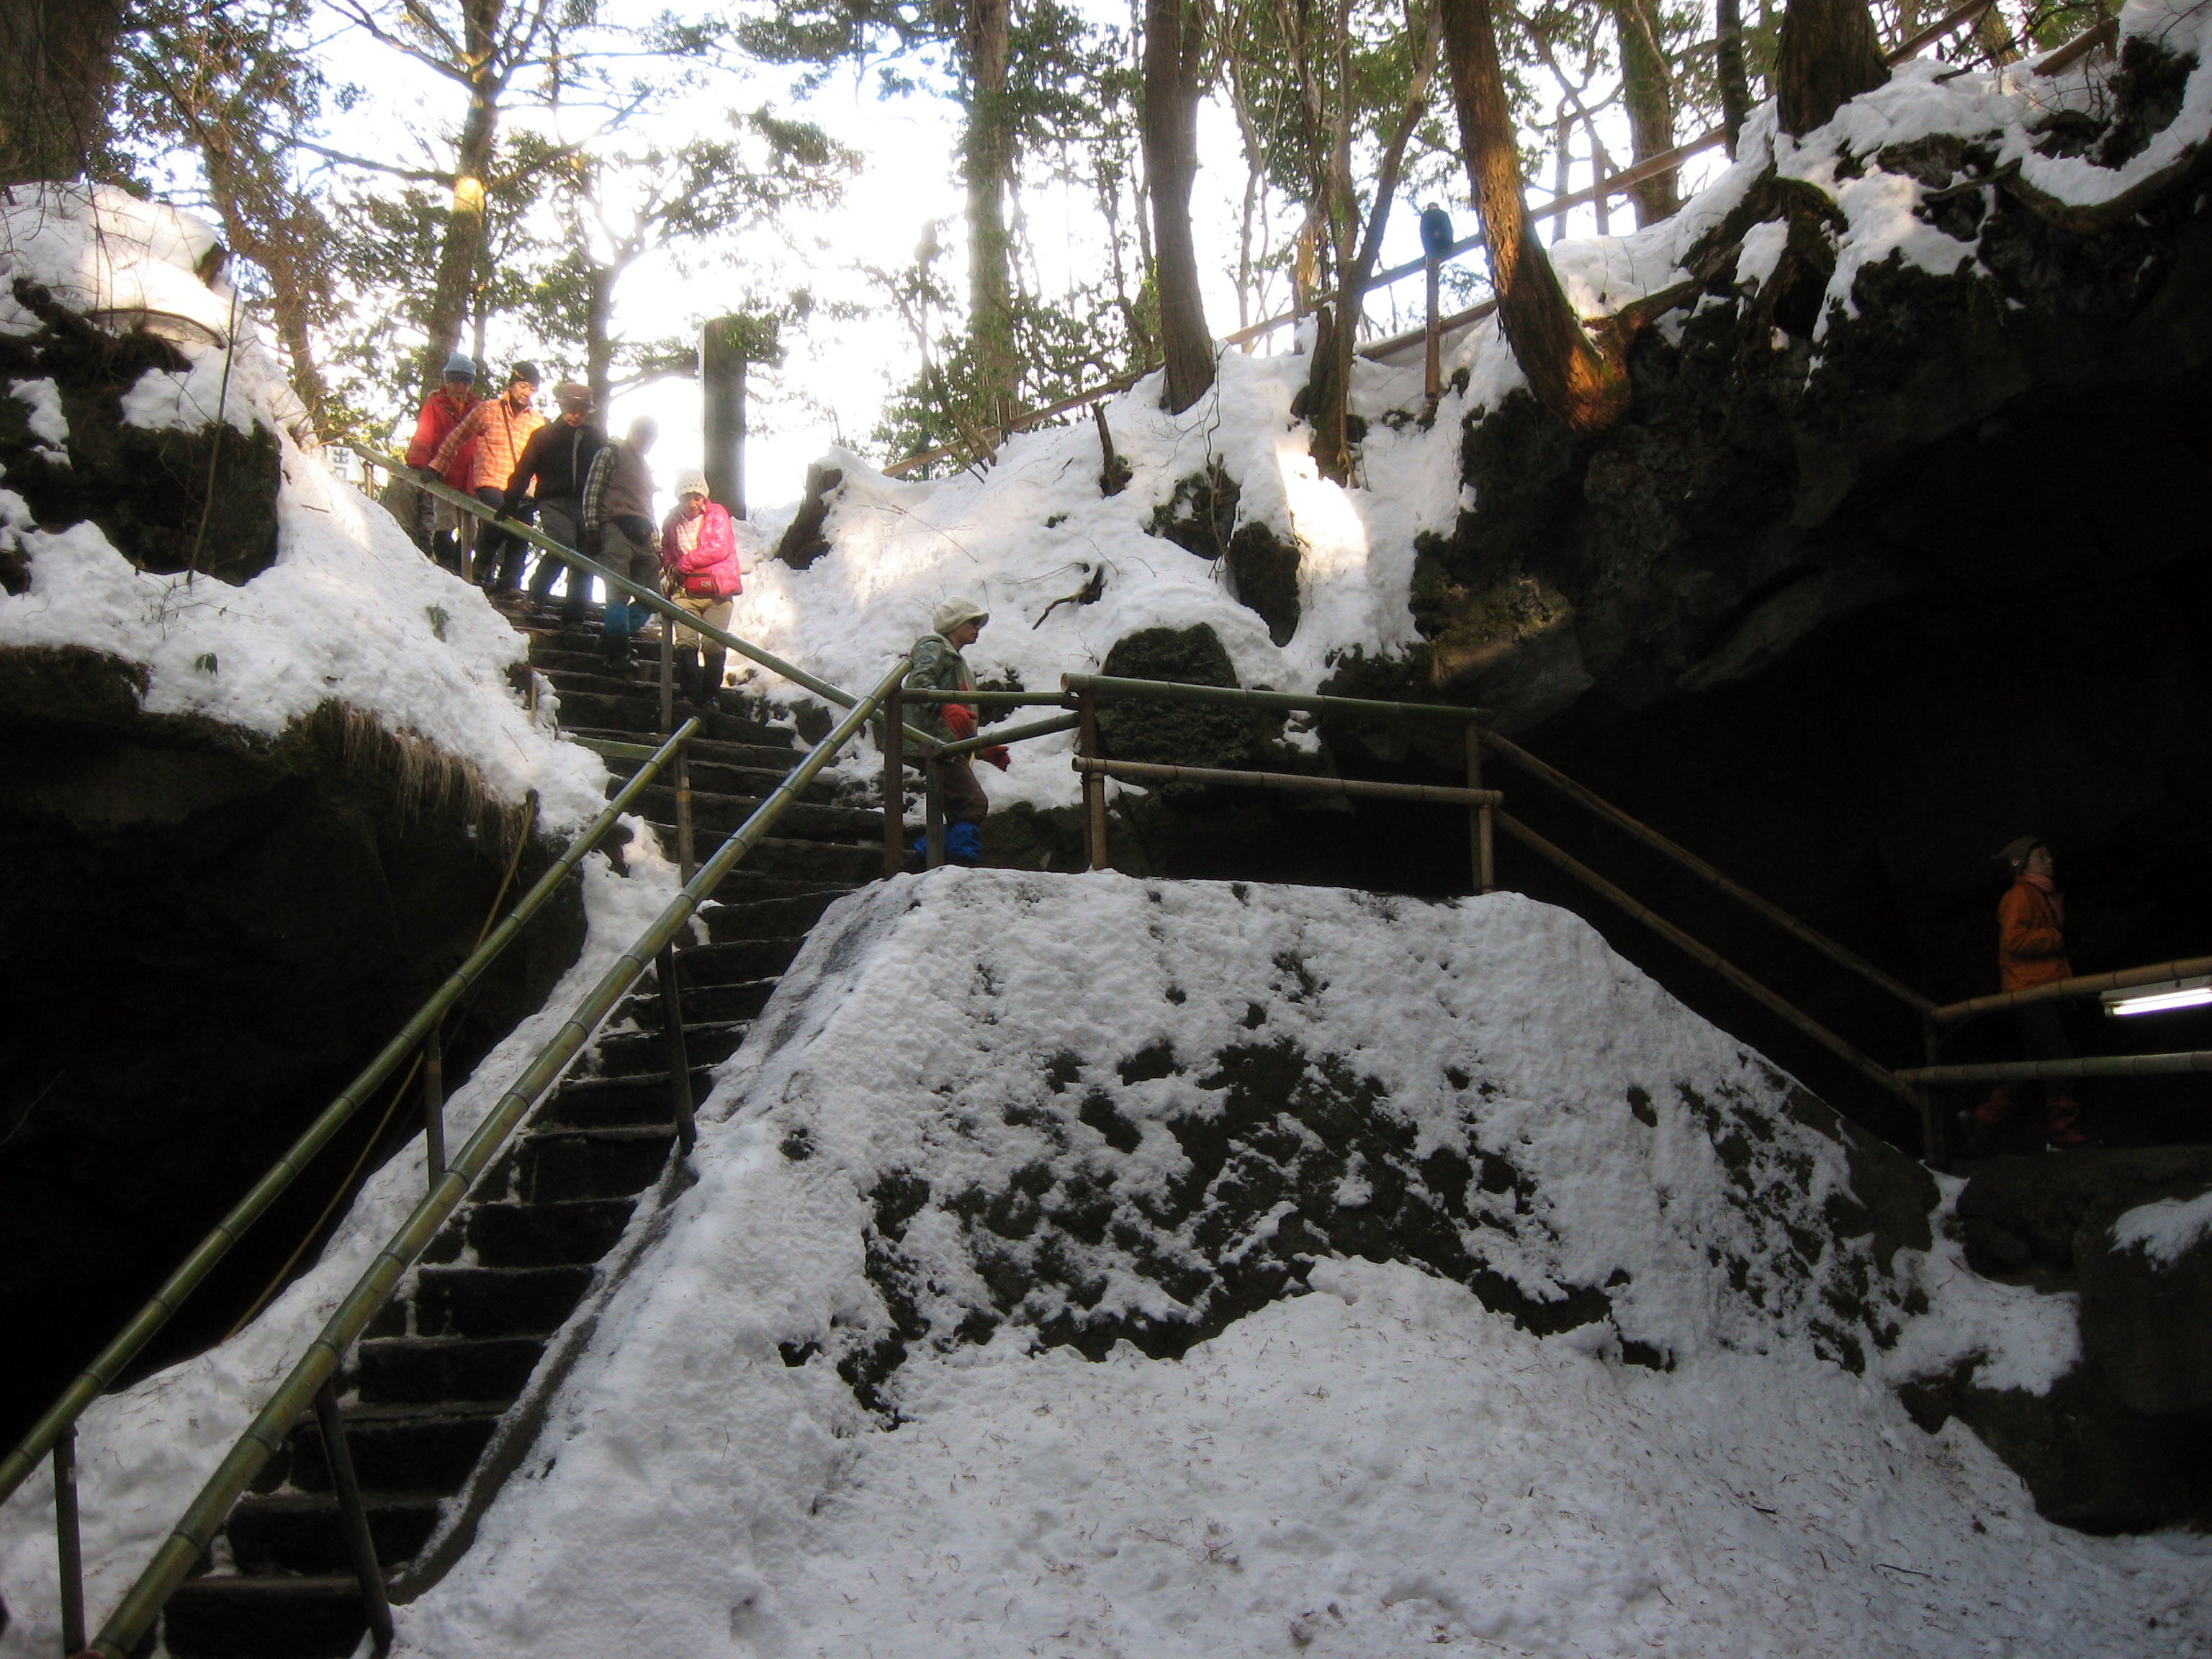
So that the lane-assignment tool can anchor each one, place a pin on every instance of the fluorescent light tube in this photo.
(2159, 998)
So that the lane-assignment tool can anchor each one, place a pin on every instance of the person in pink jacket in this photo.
(702, 571)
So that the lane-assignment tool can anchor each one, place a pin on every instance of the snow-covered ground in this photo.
(1380, 1464)
(350, 612)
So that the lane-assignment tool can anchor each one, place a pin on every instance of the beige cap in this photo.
(691, 482)
(953, 612)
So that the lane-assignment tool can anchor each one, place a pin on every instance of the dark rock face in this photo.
(1200, 516)
(148, 490)
(1178, 734)
(1302, 1157)
(803, 541)
(2123, 1442)
(205, 938)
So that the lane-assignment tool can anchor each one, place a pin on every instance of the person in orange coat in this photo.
(2031, 951)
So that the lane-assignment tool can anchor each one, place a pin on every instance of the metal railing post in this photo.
(667, 673)
(1094, 785)
(685, 850)
(933, 814)
(434, 1103)
(893, 784)
(353, 1519)
(1478, 817)
(68, 1544)
(679, 1064)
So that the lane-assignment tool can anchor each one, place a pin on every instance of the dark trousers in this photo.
(559, 518)
(2043, 1035)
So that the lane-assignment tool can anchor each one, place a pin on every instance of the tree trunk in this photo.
(1329, 389)
(1829, 52)
(1727, 64)
(1648, 91)
(987, 158)
(57, 65)
(1569, 373)
(599, 347)
(463, 252)
(1175, 49)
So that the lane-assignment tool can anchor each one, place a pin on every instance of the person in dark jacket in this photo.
(619, 532)
(548, 478)
(2031, 951)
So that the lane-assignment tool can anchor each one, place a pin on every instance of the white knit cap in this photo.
(691, 482)
(953, 612)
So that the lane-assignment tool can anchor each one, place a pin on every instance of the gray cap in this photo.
(2015, 855)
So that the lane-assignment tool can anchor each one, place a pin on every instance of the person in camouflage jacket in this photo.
(936, 664)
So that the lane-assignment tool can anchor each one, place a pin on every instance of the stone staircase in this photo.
(444, 1396)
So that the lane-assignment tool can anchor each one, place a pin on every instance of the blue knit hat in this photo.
(461, 367)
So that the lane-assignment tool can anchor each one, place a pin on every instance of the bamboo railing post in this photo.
(932, 774)
(68, 1544)
(353, 1519)
(1432, 379)
(893, 784)
(1094, 786)
(433, 1103)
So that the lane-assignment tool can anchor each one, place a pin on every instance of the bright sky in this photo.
(838, 371)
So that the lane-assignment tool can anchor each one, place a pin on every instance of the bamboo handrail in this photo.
(1871, 1070)
(2082, 985)
(2028, 1070)
(653, 598)
(988, 699)
(1107, 685)
(94, 1379)
(175, 1560)
(1296, 782)
(1842, 956)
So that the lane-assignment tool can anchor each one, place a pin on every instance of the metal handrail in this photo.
(173, 1561)
(1842, 956)
(2082, 985)
(1107, 685)
(653, 598)
(94, 1379)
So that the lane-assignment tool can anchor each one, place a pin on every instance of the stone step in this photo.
(631, 1054)
(715, 815)
(560, 1164)
(600, 1104)
(750, 884)
(727, 724)
(424, 1371)
(638, 715)
(579, 1231)
(753, 782)
(462, 1301)
(777, 758)
(224, 1616)
(738, 962)
(399, 1446)
(294, 1532)
(767, 918)
(814, 863)
(703, 1004)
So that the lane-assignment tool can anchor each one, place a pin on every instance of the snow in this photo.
(42, 399)
(143, 1453)
(1380, 1463)
(350, 612)
(2165, 1229)
(1030, 526)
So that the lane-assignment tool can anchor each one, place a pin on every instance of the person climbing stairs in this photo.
(443, 1396)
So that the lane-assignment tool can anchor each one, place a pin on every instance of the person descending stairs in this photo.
(443, 1396)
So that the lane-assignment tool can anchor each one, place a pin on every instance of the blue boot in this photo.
(963, 844)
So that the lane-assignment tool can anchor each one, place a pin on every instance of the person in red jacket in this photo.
(2031, 951)
(438, 524)
(701, 571)
(495, 430)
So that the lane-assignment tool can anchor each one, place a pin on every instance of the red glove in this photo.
(960, 718)
(997, 755)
